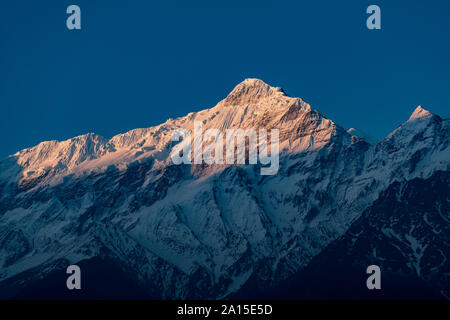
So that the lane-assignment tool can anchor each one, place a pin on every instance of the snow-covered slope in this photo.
(405, 232)
(203, 231)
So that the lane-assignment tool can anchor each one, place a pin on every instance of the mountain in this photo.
(405, 232)
(137, 223)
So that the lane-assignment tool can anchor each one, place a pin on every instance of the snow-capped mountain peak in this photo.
(255, 87)
(252, 104)
(251, 91)
(419, 113)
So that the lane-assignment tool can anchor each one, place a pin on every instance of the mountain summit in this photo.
(420, 112)
(252, 90)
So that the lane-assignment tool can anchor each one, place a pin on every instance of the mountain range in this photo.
(140, 226)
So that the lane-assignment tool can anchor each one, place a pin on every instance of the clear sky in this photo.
(136, 63)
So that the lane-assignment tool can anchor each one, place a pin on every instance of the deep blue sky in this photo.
(137, 63)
